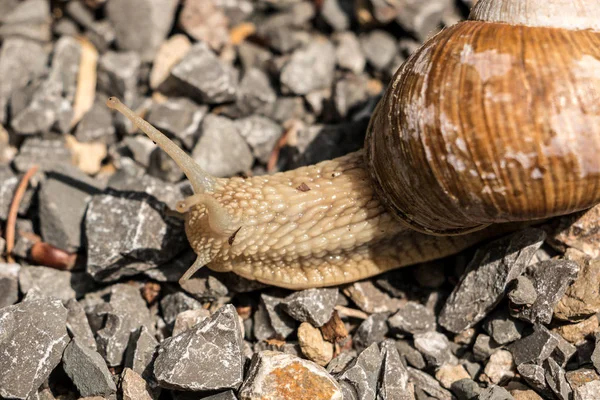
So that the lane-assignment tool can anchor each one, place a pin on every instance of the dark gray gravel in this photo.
(87, 370)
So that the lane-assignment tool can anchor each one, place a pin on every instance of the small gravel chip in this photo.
(493, 267)
(410, 354)
(337, 14)
(535, 377)
(124, 181)
(596, 353)
(588, 391)
(129, 232)
(207, 357)
(202, 76)
(118, 74)
(371, 330)
(370, 298)
(127, 312)
(46, 153)
(466, 389)
(348, 52)
(78, 325)
(577, 333)
(261, 134)
(423, 18)
(582, 298)
(448, 374)
(34, 336)
(281, 323)
(350, 93)
(556, 379)
(313, 346)
(284, 376)
(394, 381)
(179, 117)
(585, 384)
(173, 304)
(255, 94)
(500, 367)
(341, 362)
(96, 125)
(428, 384)
(87, 370)
(134, 387)
(185, 320)
(523, 292)
(9, 284)
(563, 351)
(379, 48)
(141, 352)
(310, 68)
(534, 348)
(502, 328)
(311, 305)
(495, 393)
(228, 395)
(550, 279)
(363, 373)
(221, 150)
(484, 347)
(435, 347)
(413, 318)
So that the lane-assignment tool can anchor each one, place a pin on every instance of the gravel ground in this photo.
(90, 306)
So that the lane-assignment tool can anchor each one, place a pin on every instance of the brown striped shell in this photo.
(495, 119)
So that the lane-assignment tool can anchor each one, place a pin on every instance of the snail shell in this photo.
(495, 119)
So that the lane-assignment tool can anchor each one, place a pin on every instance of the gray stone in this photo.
(255, 94)
(466, 389)
(78, 325)
(118, 74)
(555, 377)
(587, 391)
(363, 373)
(169, 194)
(341, 362)
(585, 383)
(596, 354)
(261, 134)
(141, 25)
(33, 338)
(484, 347)
(310, 68)
(502, 328)
(428, 384)
(178, 117)
(87, 370)
(7, 189)
(551, 279)
(379, 48)
(534, 348)
(187, 319)
(96, 125)
(411, 355)
(47, 281)
(483, 284)
(534, 375)
(288, 108)
(495, 393)
(45, 153)
(173, 304)
(227, 395)
(252, 55)
(141, 352)
(127, 312)
(21, 61)
(206, 285)
(30, 19)
(221, 150)
(281, 323)
(523, 292)
(63, 199)
(128, 232)
(371, 330)
(140, 146)
(370, 298)
(207, 357)
(311, 305)
(163, 167)
(349, 53)
(350, 92)
(9, 284)
(435, 347)
(337, 13)
(202, 76)
(394, 381)
(412, 318)
(563, 351)
(423, 18)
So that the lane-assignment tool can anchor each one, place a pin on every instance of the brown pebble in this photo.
(577, 333)
(582, 298)
(334, 330)
(448, 374)
(312, 344)
(150, 292)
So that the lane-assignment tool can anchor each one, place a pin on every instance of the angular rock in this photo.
(255, 94)
(87, 370)
(128, 233)
(448, 374)
(279, 321)
(207, 357)
(582, 298)
(96, 125)
(311, 305)
(493, 267)
(313, 346)
(410, 355)
(261, 134)
(495, 393)
(169, 54)
(173, 304)
(201, 76)
(563, 351)
(370, 298)
(206, 22)
(523, 292)
(118, 74)
(371, 330)
(21, 61)
(141, 25)
(9, 284)
(427, 384)
(555, 377)
(577, 333)
(185, 320)
(435, 347)
(134, 387)
(30, 19)
(33, 338)
(466, 389)
(550, 279)
(379, 48)
(221, 150)
(413, 318)
(141, 352)
(394, 381)
(78, 325)
(350, 93)
(167, 193)
(140, 147)
(500, 367)
(502, 328)
(362, 374)
(310, 68)
(341, 362)
(587, 391)
(178, 117)
(578, 230)
(536, 347)
(421, 18)
(48, 154)
(585, 383)
(49, 282)
(484, 347)
(283, 376)
(125, 313)
(534, 375)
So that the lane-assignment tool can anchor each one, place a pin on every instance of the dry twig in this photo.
(13, 211)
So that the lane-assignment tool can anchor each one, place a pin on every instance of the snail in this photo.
(493, 120)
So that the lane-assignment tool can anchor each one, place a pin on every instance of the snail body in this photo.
(496, 119)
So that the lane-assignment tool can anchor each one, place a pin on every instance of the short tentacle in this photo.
(219, 220)
(200, 262)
